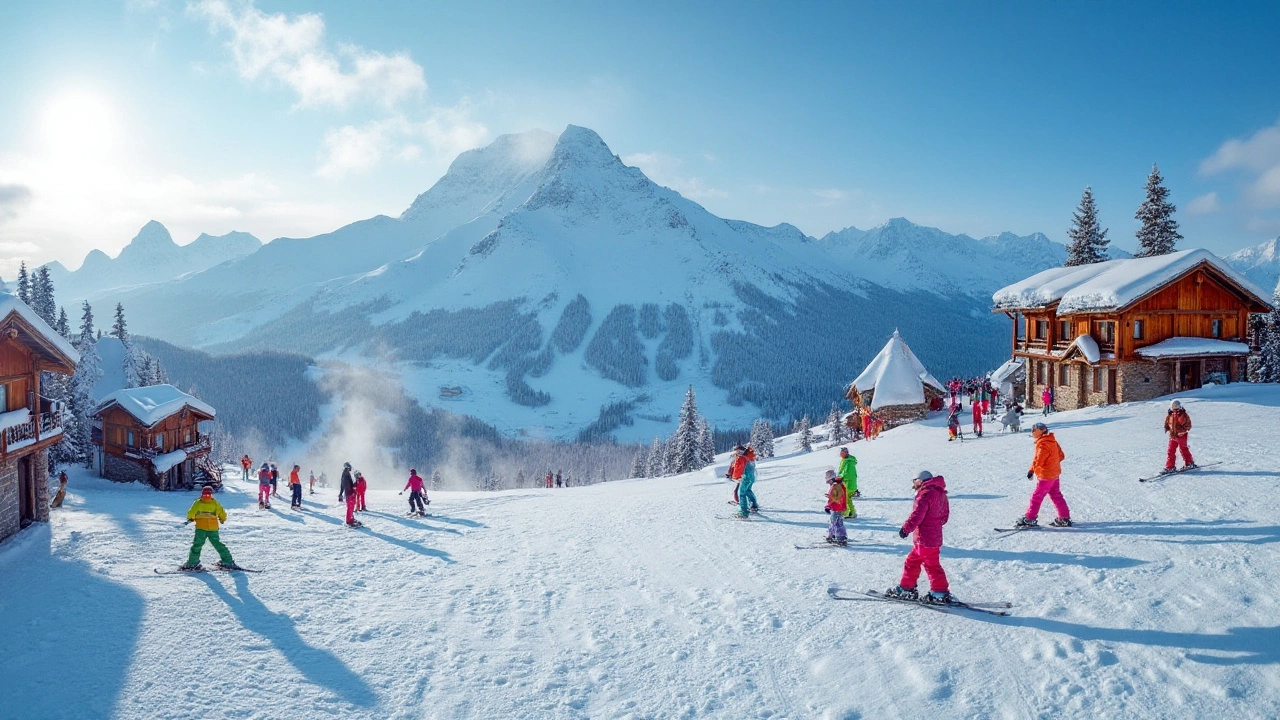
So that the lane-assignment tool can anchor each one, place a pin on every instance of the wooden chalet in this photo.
(29, 423)
(152, 434)
(1125, 330)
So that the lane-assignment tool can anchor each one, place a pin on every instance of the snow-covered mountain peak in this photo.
(1260, 263)
(583, 171)
(152, 237)
(479, 178)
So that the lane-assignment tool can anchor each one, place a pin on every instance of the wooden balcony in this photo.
(48, 426)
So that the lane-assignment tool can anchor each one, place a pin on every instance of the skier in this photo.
(746, 498)
(1046, 467)
(313, 482)
(736, 467)
(984, 395)
(977, 419)
(207, 513)
(848, 474)
(347, 493)
(264, 487)
(1178, 424)
(837, 499)
(415, 486)
(953, 423)
(559, 480)
(323, 480)
(928, 515)
(1046, 398)
(295, 488)
(275, 478)
(247, 464)
(1012, 418)
(62, 490)
(361, 486)
(995, 399)
(550, 479)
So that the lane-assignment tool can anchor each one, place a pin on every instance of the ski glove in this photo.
(903, 533)
(1031, 474)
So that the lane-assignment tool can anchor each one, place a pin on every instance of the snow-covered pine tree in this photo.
(80, 393)
(1088, 239)
(1269, 357)
(63, 327)
(657, 463)
(764, 445)
(835, 434)
(24, 284)
(706, 442)
(42, 296)
(1159, 232)
(806, 434)
(686, 450)
(121, 328)
(640, 463)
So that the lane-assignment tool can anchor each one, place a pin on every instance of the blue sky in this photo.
(292, 118)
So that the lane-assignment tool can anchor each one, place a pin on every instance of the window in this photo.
(1107, 333)
(160, 441)
(1042, 329)
(1139, 329)
(1064, 330)
(1020, 326)
(1097, 379)
(187, 441)
(1217, 328)
(4, 398)
(1064, 375)
(1040, 373)
(129, 439)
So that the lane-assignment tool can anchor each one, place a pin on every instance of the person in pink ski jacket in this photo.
(416, 494)
(929, 513)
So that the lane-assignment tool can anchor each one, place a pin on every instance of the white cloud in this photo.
(666, 170)
(1204, 204)
(353, 150)
(293, 51)
(1258, 159)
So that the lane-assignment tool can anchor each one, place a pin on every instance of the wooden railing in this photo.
(192, 448)
(34, 429)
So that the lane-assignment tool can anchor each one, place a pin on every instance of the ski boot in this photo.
(857, 493)
(1190, 466)
(191, 568)
(1027, 522)
(1168, 471)
(831, 540)
(755, 509)
(225, 566)
(1062, 522)
(842, 543)
(936, 598)
(901, 593)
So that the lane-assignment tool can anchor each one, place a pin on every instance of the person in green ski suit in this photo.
(207, 514)
(848, 474)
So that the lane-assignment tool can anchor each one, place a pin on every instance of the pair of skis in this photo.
(988, 608)
(203, 569)
(1179, 472)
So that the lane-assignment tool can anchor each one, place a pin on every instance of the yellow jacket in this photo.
(206, 513)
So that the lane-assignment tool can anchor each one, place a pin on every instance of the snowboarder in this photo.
(247, 464)
(207, 513)
(295, 487)
(1046, 399)
(848, 474)
(1178, 424)
(415, 488)
(1046, 468)
(953, 423)
(264, 487)
(361, 486)
(1012, 418)
(736, 467)
(313, 482)
(347, 493)
(977, 419)
(62, 490)
(746, 498)
(275, 479)
(928, 515)
(837, 499)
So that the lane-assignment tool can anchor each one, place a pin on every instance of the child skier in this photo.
(1046, 467)
(347, 493)
(207, 513)
(848, 474)
(415, 488)
(295, 487)
(747, 498)
(264, 487)
(313, 482)
(275, 479)
(928, 515)
(953, 423)
(1046, 399)
(361, 486)
(836, 502)
(977, 419)
(1178, 424)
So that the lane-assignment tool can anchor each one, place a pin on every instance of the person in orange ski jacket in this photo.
(1046, 468)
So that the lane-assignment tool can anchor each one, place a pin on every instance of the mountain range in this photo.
(546, 287)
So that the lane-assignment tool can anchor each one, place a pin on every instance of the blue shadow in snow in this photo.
(1095, 562)
(319, 666)
(1190, 532)
(418, 523)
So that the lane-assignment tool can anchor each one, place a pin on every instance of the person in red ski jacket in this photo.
(247, 464)
(977, 419)
(1178, 424)
(361, 486)
(929, 513)
(415, 487)
(736, 468)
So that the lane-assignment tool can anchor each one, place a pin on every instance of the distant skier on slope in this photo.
(929, 513)
(361, 487)
(977, 419)
(347, 493)
(247, 464)
(275, 479)
(264, 487)
(848, 474)
(1046, 468)
(415, 488)
(295, 487)
(207, 512)
(550, 478)
(746, 497)
(559, 479)
(953, 423)
(837, 500)
(312, 480)
(1178, 424)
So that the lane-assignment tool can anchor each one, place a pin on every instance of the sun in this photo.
(80, 123)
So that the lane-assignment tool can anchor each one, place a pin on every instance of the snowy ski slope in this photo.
(632, 600)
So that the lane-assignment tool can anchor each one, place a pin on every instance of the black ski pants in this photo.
(415, 503)
(297, 495)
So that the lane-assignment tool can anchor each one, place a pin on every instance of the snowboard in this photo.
(1180, 471)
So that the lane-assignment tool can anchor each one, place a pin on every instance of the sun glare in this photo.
(80, 124)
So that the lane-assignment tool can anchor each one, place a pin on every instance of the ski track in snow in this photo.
(631, 600)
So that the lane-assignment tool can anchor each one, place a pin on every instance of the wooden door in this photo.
(1111, 386)
(1190, 379)
(26, 492)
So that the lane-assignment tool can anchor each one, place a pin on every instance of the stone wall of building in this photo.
(40, 471)
(10, 511)
(122, 469)
(1142, 380)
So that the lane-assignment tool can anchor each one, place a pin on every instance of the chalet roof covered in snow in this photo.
(1192, 347)
(1006, 371)
(151, 404)
(11, 304)
(896, 376)
(1113, 284)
